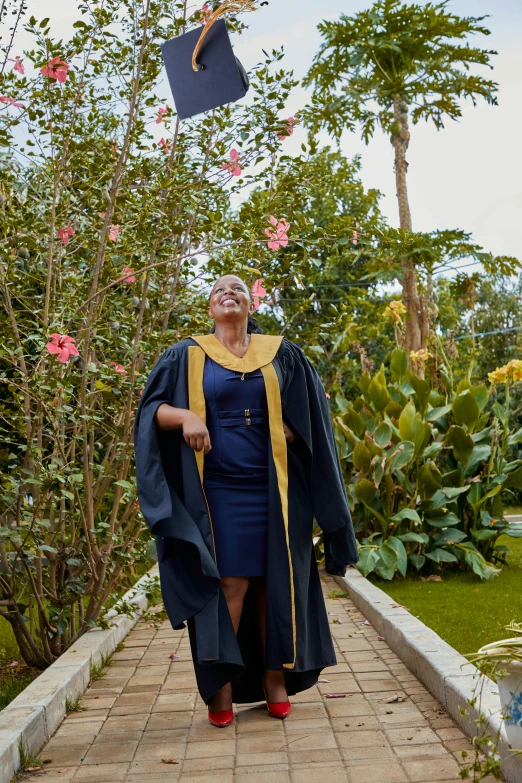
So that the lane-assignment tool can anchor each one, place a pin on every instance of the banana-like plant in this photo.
(427, 467)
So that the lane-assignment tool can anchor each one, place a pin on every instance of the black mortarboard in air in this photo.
(220, 77)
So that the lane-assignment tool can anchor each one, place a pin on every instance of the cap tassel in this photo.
(229, 6)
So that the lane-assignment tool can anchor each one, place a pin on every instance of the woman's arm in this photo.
(194, 429)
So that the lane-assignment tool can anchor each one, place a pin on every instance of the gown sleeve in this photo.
(308, 412)
(153, 491)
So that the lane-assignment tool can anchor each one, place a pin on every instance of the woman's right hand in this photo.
(195, 432)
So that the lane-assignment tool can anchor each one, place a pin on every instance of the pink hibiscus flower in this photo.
(164, 145)
(18, 64)
(234, 166)
(278, 236)
(118, 368)
(11, 101)
(113, 233)
(63, 346)
(129, 276)
(327, 396)
(288, 130)
(56, 69)
(65, 233)
(162, 113)
(257, 292)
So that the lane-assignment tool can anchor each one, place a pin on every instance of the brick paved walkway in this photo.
(146, 709)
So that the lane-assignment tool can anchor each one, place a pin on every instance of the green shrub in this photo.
(427, 467)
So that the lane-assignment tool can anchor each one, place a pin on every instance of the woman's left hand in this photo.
(289, 435)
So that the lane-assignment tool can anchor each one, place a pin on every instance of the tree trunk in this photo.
(416, 332)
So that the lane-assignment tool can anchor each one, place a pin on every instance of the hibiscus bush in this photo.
(429, 462)
(110, 207)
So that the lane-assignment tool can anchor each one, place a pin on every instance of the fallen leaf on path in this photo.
(393, 699)
(169, 761)
(400, 606)
(338, 621)
(32, 769)
(432, 578)
(335, 695)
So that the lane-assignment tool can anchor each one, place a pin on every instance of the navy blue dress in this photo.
(236, 468)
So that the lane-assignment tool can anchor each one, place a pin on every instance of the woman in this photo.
(235, 456)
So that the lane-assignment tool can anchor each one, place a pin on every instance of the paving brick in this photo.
(377, 773)
(335, 774)
(146, 709)
(110, 752)
(431, 770)
(101, 773)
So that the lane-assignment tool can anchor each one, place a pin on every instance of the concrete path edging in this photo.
(443, 670)
(33, 717)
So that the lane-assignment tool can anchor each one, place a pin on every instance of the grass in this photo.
(466, 612)
(96, 670)
(72, 705)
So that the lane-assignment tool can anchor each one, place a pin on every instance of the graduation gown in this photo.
(305, 482)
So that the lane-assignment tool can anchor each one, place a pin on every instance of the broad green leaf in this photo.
(429, 481)
(388, 555)
(441, 556)
(361, 457)
(402, 557)
(514, 479)
(399, 364)
(453, 492)
(368, 557)
(449, 537)
(406, 513)
(354, 421)
(382, 434)
(438, 413)
(401, 455)
(465, 408)
(461, 443)
(341, 402)
(432, 450)
(422, 389)
(515, 438)
(483, 534)
(125, 484)
(445, 520)
(365, 490)
(414, 538)
(378, 393)
(417, 561)
(513, 531)
(411, 426)
(481, 395)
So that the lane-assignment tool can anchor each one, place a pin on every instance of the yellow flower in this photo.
(420, 356)
(394, 311)
(512, 371)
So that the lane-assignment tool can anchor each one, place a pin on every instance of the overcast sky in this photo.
(467, 176)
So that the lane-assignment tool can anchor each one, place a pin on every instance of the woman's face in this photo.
(230, 300)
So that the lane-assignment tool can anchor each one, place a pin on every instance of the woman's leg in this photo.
(274, 678)
(234, 589)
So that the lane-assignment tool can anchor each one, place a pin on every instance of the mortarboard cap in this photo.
(201, 67)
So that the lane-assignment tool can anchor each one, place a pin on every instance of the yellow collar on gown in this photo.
(261, 351)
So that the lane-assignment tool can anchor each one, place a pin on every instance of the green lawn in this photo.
(462, 609)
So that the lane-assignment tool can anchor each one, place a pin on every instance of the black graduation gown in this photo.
(305, 481)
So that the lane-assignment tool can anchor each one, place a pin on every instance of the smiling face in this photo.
(230, 300)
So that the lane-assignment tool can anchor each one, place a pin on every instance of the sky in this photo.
(467, 176)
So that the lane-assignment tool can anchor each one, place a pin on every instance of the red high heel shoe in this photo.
(278, 709)
(221, 719)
